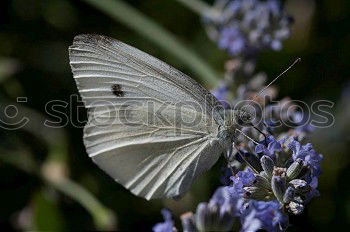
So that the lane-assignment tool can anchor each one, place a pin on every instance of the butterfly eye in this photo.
(245, 118)
(249, 118)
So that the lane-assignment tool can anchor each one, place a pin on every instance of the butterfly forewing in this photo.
(151, 128)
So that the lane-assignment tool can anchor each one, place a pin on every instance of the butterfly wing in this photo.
(135, 132)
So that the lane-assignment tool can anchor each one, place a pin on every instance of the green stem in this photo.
(140, 23)
(201, 8)
(103, 218)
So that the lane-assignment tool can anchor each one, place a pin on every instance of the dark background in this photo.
(34, 37)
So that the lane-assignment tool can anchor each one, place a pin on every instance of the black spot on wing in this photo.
(117, 90)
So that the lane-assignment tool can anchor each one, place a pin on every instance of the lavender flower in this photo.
(247, 26)
(167, 225)
(283, 181)
(223, 195)
(240, 180)
(290, 174)
(309, 155)
(232, 40)
(217, 215)
(272, 146)
(313, 160)
(278, 175)
(263, 215)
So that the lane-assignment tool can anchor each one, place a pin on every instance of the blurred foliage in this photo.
(36, 161)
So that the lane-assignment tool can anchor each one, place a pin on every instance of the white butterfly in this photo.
(137, 132)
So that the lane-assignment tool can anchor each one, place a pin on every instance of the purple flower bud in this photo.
(278, 185)
(213, 217)
(268, 165)
(288, 195)
(300, 186)
(262, 182)
(188, 222)
(167, 225)
(295, 168)
(295, 207)
(257, 193)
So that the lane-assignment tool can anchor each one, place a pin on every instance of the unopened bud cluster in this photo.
(285, 175)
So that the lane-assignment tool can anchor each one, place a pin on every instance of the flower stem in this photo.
(104, 218)
(53, 171)
(196, 6)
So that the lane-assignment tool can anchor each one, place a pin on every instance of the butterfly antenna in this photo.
(267, 86)
(256, 128)
(256, 143)
(276, 78)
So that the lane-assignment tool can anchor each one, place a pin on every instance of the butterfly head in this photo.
(237, 118)
(243, 118)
